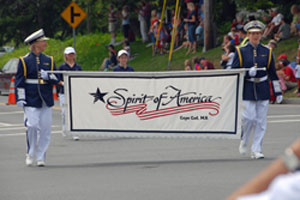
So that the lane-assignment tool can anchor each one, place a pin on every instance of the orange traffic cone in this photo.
(55, 97)
(11, 95)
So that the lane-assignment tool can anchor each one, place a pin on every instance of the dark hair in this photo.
(243, 31)
(196, 60)
(112, 46)
(251, 18)
(228, 37)
(285, 63)
(231, 48)
(202, 58)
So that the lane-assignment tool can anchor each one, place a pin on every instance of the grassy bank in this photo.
(91, 51)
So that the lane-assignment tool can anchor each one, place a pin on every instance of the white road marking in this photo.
(12, 128)
(284, 121)
(23, 134)
(59, 131)
(12, 112)
(22, 112)
(285, 105)
(282, 116)
(20, 127)
(6, 124)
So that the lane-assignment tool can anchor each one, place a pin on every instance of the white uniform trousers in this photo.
(143, 28)
(255, 117)
(38, 122)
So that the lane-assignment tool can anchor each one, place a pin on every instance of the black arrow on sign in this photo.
(73, 14)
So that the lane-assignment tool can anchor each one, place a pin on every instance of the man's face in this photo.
(273, 13)
(254, 37)
(41, 45)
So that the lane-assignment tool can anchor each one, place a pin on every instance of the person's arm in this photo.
(20, 81)
(261, 182)
(236, 61)
(225, 57)
(191, 20)
(287, 75)
(279, 31)
(286, 78)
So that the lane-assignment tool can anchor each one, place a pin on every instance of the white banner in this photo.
(161, 104)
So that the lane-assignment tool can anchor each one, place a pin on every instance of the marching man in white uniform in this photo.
(34, 93)
(256, 91)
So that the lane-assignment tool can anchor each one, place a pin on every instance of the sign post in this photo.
(73, 14)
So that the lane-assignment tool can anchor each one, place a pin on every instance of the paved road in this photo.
(160, 169)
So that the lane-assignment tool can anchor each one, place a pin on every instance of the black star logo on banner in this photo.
(98, 95)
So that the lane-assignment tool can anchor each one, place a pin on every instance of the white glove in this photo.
(252, 71)
(44, 75)
(21, 103)
(279, 99)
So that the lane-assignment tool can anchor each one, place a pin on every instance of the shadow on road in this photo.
(154, 164)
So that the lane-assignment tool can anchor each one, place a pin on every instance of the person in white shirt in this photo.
(273, 24)
(227, 58)
(297, 75)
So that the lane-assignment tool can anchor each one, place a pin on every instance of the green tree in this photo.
(19, 18)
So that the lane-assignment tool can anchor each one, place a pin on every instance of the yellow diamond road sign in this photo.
(73, 14)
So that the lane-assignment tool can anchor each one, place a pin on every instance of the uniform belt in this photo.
(35, 81)
(258, 80)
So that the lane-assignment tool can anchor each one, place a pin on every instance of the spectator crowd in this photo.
(276, 30)
(189, 34)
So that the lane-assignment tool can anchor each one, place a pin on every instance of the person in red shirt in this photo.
(289, 75)
(206, 64)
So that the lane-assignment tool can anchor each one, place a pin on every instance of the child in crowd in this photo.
(297, 74)
(281, 76)
(187, 65)
(123, 57)
(186, 43)
(227, 57)
(111, 61)
(283, 31)
(298, 52)
(196, 64)
(126, 46)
